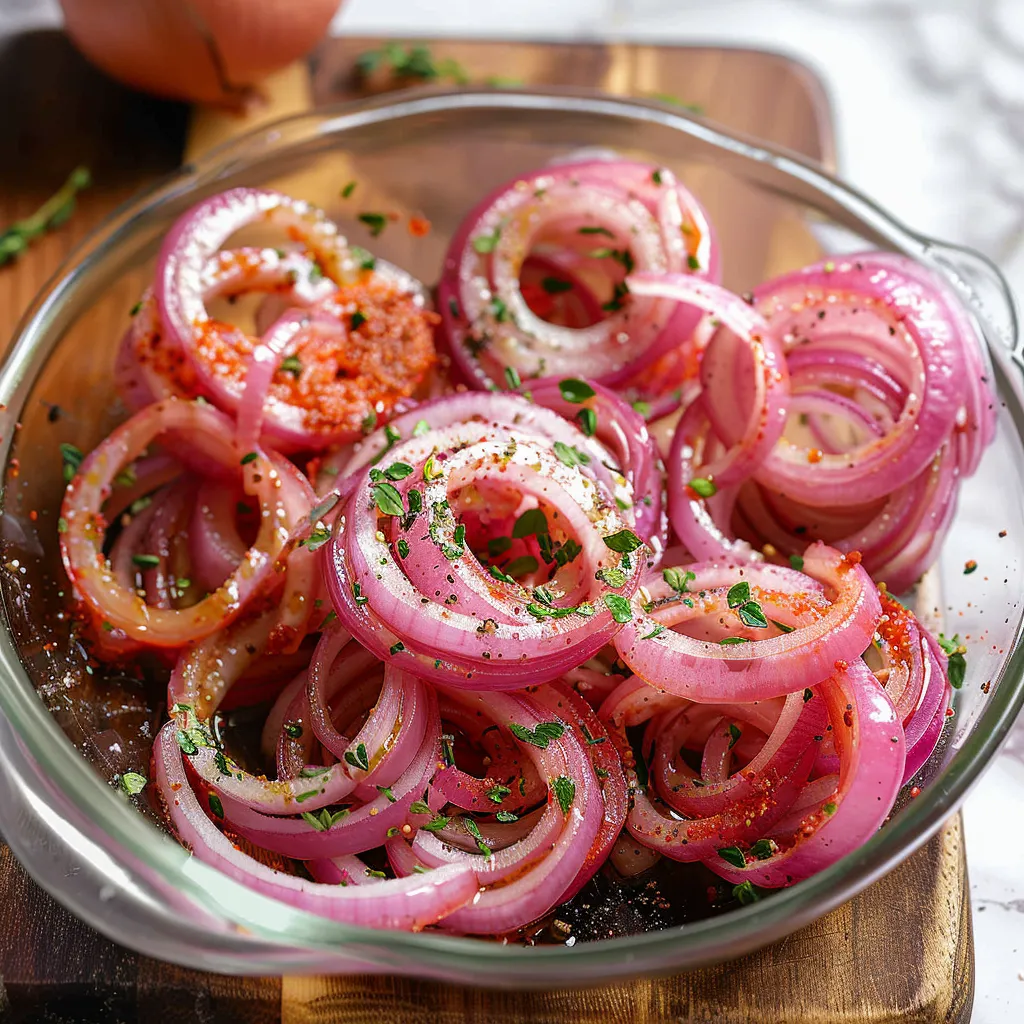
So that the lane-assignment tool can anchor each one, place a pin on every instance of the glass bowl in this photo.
(67, 733)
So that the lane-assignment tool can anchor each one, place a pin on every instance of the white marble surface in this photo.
(929, 104)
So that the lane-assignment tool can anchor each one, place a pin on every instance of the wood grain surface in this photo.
(901, 951)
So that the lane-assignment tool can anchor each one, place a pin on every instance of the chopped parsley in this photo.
(565, 792)
(555, 285)
(474, 830)
(677, 579)
(623, 542)
(619, 607)
(575, 391)
(612, 577)
(133, 783)
(733, 855)
(703, 487)
(358, 758)
(540, 736)
(376, 222)
(746, 893)
(587, 419)
(531, 523)
(387, 499)
(570, 455)
(487, 243)
(72, 457)
(957, 665)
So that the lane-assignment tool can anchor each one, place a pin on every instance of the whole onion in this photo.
(210, 51)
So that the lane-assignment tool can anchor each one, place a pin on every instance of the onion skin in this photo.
(209, 51)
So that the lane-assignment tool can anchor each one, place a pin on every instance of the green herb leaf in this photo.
(292, 365)
(808, 694)
(133, 783)
(677, 579)
(796, 562)
(365, 259)
(703, 487)
(506, 816)
(71, 455)
(215, 805)
(570, 455)
(386, 791)
(612, 577)
(186, 742)
(487, 243)
(745, 892)
(657, 631)
(376, 222)
(402, 547)
(544, 611)
(313, 819)
(398, 471)
(733, 855)
(619, 607)
(358, 758)
(596, 231)
(739, 593)
(419, 807)
(540, 736)
(512, 377)
(436, 823)
(356, 320)
(735, 734)
(498, 792)
(782, 626)
(348, 190)
(522, 566)
(565, 792)
(531, 523)
(624, 542)
(575, 390)
(499, 310)
(499, 575)
(751, 615)
(957, 663)
(555, 285)
(498, 546)
(587, 419)
(763, 849)
(54, 212)
(387, 499)
(146, 561)
(248, 457)
(729, 640)
(317, 539)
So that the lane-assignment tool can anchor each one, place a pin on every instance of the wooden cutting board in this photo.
(901, 951)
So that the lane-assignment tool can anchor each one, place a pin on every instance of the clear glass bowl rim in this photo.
(254, 922)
